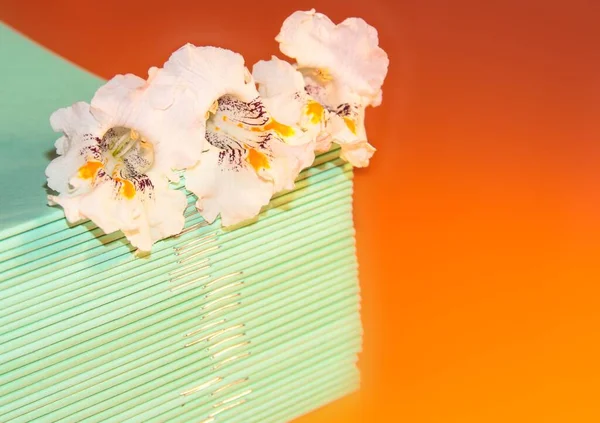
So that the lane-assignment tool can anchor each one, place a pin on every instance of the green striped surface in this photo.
(254, 324)
(259, 323)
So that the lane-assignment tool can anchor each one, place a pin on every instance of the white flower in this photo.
(248, 154)
(116, 156)
(343, 69)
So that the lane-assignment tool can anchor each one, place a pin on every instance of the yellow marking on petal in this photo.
(217, 128)
(127, 189)
(239, 125)
(89, 170)
(350, 124)
(257, 159)
(315, 111)
(280, 128)
(224, 118)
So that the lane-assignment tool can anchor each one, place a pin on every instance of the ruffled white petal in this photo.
(346, 54)
(277, 77)
(287, 162)
(236, 192)
(323, 142)
(347, 129)
(74, 122)
(143, 220)
(79, 127)
(282, 90)
(358, 154)
(210, 73)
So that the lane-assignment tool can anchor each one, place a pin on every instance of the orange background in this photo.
(479, 219)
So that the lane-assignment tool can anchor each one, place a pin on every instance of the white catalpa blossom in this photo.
(116, 157)
(344, 69)
(248, 153)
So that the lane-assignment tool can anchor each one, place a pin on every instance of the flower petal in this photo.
(358, 154)
(74, 121)
(143, 219)
(277, 77)
(283, 92)
(347, 128)
(347, 54)
(288, 161)
(78, 126)
(210, 73)
(227, 185)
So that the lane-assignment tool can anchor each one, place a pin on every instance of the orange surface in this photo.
(479, 219)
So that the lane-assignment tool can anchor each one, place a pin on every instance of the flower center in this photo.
(128, 154)
(123, 157)
(241, 131)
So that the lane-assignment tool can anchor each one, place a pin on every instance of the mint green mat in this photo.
(259, 323)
